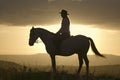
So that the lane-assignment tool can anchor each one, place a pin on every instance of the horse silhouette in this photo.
(74, 45)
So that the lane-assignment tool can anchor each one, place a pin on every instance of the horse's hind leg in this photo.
(87, 64)
(80, 58)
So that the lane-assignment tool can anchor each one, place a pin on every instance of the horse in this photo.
(78, 44)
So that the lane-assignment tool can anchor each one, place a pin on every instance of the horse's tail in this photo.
(94, 49)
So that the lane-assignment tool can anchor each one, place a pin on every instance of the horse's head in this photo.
(33, 37)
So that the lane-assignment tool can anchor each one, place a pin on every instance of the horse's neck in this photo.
(45, 36)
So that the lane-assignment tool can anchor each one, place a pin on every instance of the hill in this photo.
(44, 59)
(7, 65)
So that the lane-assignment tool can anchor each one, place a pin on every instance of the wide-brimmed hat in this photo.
(64, 12)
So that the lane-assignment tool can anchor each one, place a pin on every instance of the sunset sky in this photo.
(98, 19)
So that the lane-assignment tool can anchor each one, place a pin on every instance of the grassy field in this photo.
(64, 73)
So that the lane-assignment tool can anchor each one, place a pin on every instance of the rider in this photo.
(64, 31)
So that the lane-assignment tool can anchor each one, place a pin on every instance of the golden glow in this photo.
(14, 40)
(87, 30)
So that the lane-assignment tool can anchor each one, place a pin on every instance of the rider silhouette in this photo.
(64, 31)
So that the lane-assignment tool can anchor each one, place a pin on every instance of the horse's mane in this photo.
(46, 31)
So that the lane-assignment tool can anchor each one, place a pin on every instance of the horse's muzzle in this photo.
(30, 44)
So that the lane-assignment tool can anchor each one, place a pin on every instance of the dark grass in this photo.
(26, 73)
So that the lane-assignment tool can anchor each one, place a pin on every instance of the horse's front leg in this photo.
(53, 63)
(80, 58)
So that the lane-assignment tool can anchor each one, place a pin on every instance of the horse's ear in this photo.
(33, 27)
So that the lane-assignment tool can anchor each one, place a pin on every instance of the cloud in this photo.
(20, 12)
(45, 12)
